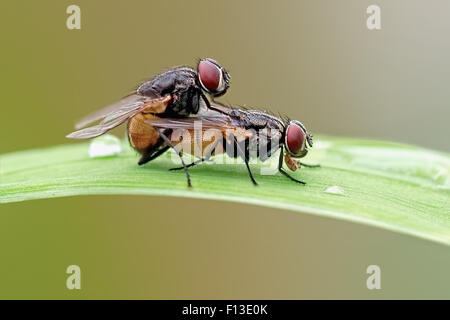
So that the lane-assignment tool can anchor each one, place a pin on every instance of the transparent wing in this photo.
(109, 122)
(119, 116)
(211, 120)
(102, 113)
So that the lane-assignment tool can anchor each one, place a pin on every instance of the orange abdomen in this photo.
(142, 135)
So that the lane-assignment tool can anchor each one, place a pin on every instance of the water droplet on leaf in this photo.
(104, 146)
(335, 190)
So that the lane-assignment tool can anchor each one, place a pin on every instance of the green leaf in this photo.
(389, 185)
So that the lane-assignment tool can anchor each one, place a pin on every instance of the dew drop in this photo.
(104, 146)
(335, 190)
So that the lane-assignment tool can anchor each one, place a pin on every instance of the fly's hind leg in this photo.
(190, 164)
(167, 140)
(201, 160)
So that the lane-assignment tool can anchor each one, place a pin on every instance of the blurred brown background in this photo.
(313, 60)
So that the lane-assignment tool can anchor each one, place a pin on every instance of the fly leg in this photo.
(205, 99)
(208, 104)
(244, 156)
(309, 165)
(150, 156)
(189, 165)
(167, 140)
(206, 158)
(280, 168)
(250, 172)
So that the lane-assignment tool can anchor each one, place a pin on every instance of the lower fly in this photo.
(239, 133)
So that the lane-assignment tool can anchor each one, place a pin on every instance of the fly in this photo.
(176, 93)
(238, 133)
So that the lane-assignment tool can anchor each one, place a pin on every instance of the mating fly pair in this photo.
(175, 100)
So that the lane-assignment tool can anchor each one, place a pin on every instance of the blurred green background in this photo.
(313, 60)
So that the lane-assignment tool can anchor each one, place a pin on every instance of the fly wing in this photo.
(231, 128)
(102, 113)
(210, 120)
(120, 115)
(108, 123)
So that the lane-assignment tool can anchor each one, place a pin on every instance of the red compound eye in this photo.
(295, 138)
(210, 75)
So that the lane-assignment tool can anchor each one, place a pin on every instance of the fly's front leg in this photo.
(309, 165)
(205, 99)
(280, 168)
(167, 140)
